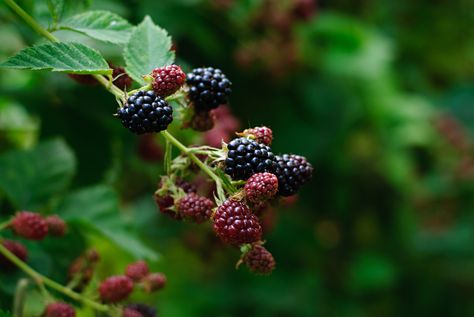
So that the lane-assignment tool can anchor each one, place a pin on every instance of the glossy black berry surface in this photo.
(208, 88)
(145, 112)
(246, 157)
(293, 172)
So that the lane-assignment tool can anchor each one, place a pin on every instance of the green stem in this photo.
(29, 20)
(5, 224)
(39, 278)
(197, 161)
(20, 295)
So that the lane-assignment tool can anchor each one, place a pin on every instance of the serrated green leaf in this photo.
(59, 57)
(31, 178)
(97, 209)
(101, 25)
(56, 8)
(148, 47)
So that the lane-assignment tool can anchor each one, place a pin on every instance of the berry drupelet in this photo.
(246, 157)
(208, 88)
(145, 112)
(293, 172)
(235, 224)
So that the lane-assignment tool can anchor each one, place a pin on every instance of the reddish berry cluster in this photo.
(194, 207)
(118, 288)
(261, 187)
(59, 309)
(262, 135)
(167, 80)
(259, 260)
(82, 269)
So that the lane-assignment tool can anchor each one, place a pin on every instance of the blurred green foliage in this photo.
(377, 94)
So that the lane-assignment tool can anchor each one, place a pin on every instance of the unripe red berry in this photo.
(154, 282)
(235, 224)
(144, 310)
(56, 226)
(260, 134)
(17, 249)
(59, 309)
(259, 260)
(29, 225)
(115, 288)
(202, 121)
(261, 187)
(137, 271)
(129, 312)
(167, 80)
(121, 78)
(195, 207)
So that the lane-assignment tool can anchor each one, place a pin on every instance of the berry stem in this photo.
(20, 295)
(39, 278)
(31, 22)
(198, 162)
(5, 224)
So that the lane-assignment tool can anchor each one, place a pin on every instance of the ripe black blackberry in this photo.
(208, 88)
(247, 157)
(292, 172)
(235, 224)
(145, 112)
(144, 310)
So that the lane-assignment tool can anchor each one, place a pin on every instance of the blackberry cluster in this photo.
(293, 171)
(30, 225)
(208, 88)
(247, 157)
(145, 112)
(235, 224)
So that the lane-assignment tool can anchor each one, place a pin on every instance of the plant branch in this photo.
(198, 162)
(5, 224)
(39, 278)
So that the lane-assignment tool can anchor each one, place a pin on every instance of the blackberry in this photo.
(195, 207)
(17, 249)
(145, 112)
(247, 157)
(29, 225)
(261, 187)
(292, 172)
(59, 309)
(145, 310)
(261, 134)
(235, 224)
(56, 226)
(137, 271)
(259, 260)
(202, 121)
(154, 282)
(167, 80)
(166, 201)
(115, 289)
(122, 80)
(208, 88)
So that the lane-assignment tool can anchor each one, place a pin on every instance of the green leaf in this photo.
(148, 47)
(97, 208)
(101, 25)
(5, 314)
(56, 8)
(59, 57)
(31, 178)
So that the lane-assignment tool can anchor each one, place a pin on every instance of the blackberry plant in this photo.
(153, 94)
